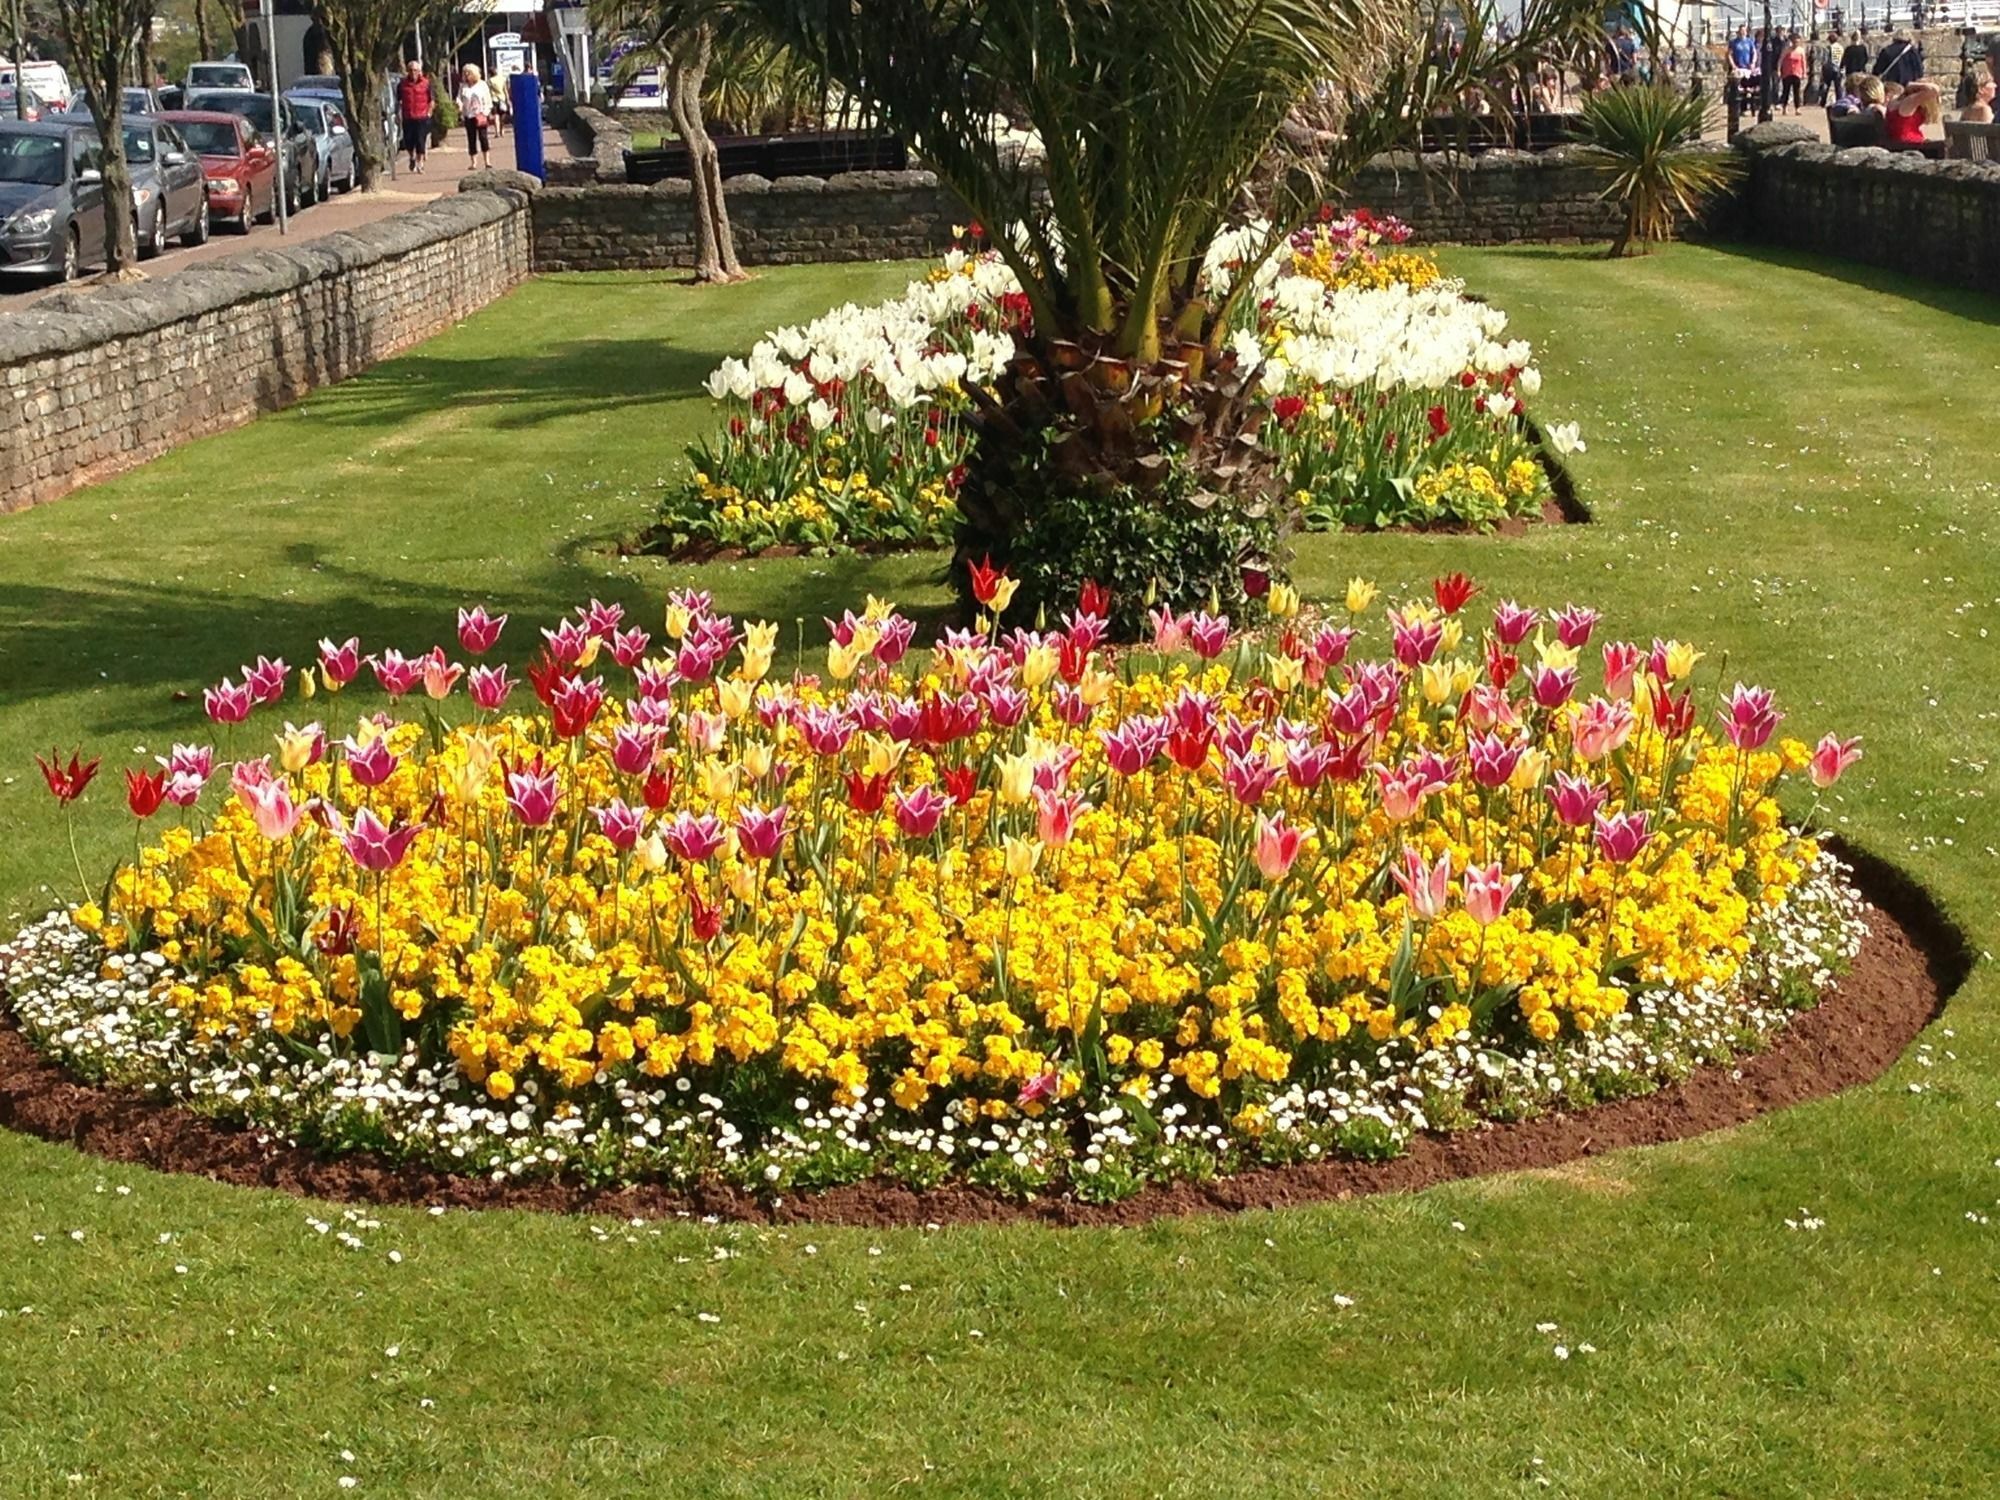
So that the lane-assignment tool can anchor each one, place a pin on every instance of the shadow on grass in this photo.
(1982, 307)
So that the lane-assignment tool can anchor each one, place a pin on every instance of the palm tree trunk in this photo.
(714, 244)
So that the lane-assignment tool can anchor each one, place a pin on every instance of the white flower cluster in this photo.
(100, 1016)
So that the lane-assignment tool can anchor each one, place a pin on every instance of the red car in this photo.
(242, 171)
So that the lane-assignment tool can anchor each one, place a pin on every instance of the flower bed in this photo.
(1015, 912)
(1394, 400)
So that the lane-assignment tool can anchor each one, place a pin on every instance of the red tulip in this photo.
(66, 783)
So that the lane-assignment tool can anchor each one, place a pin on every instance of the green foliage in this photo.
(1647, 140)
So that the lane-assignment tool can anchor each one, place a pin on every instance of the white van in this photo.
(49, 79)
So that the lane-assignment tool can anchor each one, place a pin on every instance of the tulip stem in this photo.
(69, 824)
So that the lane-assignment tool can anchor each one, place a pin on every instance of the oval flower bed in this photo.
(1015, 912)
(1394, 399)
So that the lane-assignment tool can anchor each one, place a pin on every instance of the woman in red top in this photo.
(1904, 114)
(414, 106)
(1792, 77)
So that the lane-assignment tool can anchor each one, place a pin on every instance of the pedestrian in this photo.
(1792, 76)
(475, 110)
(1901, 61)
(1855, 58)
(1979, 111)
(414, 103)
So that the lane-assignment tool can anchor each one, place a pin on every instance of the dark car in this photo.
(241, 170)
(136, 101)
(169, 190)
(51, 199)
(29, 107)
(301, 152)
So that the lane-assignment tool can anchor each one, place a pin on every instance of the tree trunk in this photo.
(714, 244)
(121, 233)
(201, 27)
(146, 68)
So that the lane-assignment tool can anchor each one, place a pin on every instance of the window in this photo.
(31, 158)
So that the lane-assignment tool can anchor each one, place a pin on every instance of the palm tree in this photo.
(1647, 139)
(1152, 115)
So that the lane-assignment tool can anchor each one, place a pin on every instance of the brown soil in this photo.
(1910, 963)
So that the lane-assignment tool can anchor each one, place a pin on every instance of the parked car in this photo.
(31, 106)
(241, 171)
(169, 190)
(46, 78)
(318, 83)
(328, 123)
(301, 152)
(217, 75)
(51, 199)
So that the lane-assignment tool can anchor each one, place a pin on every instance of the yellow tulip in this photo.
(760, 635)
(1022, 857)
(1039, 666)
(1360, 594)
(718, 778)
(841, 661)
(1017, 777)
(757, 760)
(1529, 770)
(1285, 672)
(756, 664)
(1454, 632)
(733, 696)
(1003, 595)
(1681, 658)
(679, 617)
(295, 747)
(588, 654)
(882, 753)
(1282, 601)
(1554, 653)
(307, 684)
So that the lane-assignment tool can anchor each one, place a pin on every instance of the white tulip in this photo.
(1565, 438)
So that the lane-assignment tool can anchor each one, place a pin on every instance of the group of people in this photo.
(420, 109)
(1779, 55)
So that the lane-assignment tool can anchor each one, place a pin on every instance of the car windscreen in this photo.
(137, 101)
(255, 108)
(209, 137)
(31, 158)
(309, 116)
(139, 147)
(214, 78)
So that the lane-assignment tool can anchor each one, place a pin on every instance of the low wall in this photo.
(853, 216)
(95, 382)
(1495, 198)
(1936, 219)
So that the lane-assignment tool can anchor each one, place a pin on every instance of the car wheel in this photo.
(153, 239)
(72, 261)
(270, 213)
(325, 189)
(197, 232)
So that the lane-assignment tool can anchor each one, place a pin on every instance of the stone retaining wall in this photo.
(95, 382)
(1936, 219)
(853, 216)
(1495, 198)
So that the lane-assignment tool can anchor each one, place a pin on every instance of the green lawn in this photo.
(1791, 462)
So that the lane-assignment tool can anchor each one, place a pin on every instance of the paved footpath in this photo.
(446, 164)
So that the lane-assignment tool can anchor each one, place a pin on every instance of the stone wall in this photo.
(1495, 198)
(95, 382)
(1936, 219)
(853, 216)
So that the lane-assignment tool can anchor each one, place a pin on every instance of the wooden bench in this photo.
(1968, 140)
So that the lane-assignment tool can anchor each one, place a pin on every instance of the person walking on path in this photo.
(1855, 58)
(1901, 61)
(414, 104)
(475, 110)
(1792, 76)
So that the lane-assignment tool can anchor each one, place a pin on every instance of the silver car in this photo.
(326, 121)
(169, 192)
(51, 199)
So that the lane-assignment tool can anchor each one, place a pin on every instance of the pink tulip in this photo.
(1748, 716)
(692, 838)
(249, 773)
(271, 808)
(574, 704)
(1830, 759)
(1427, 887)
(440, 675)
(1133, 745)
(266, 680)
(654, 683)
(1600, 727)
(1551, 687)
(1308, 763)
(601, 619)
(1487, 892)
(1404, 789)
(184, 788)
(373, 763)
(533, 790)
(1277, 847)
(1208, 634)
(917, 812)
(374, 845)
(1330, 643)
(892, 642)
(190, 760)
(226, 703)
(1169, 630)
(1513, 623)
(1056, 815)
(1071, 706)
(1621, 662)
(1248, 774)
(1574, 624)
(566, 642)
(628, 647)
(338, 665)
(488, 687)
(1006, 705)
(1620, 836)
(478, 632)
(705, 731)
(1415, 640)
(1576, 799)
(760, 832)
(633, 748)
(1493, 760)
(621, 824)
